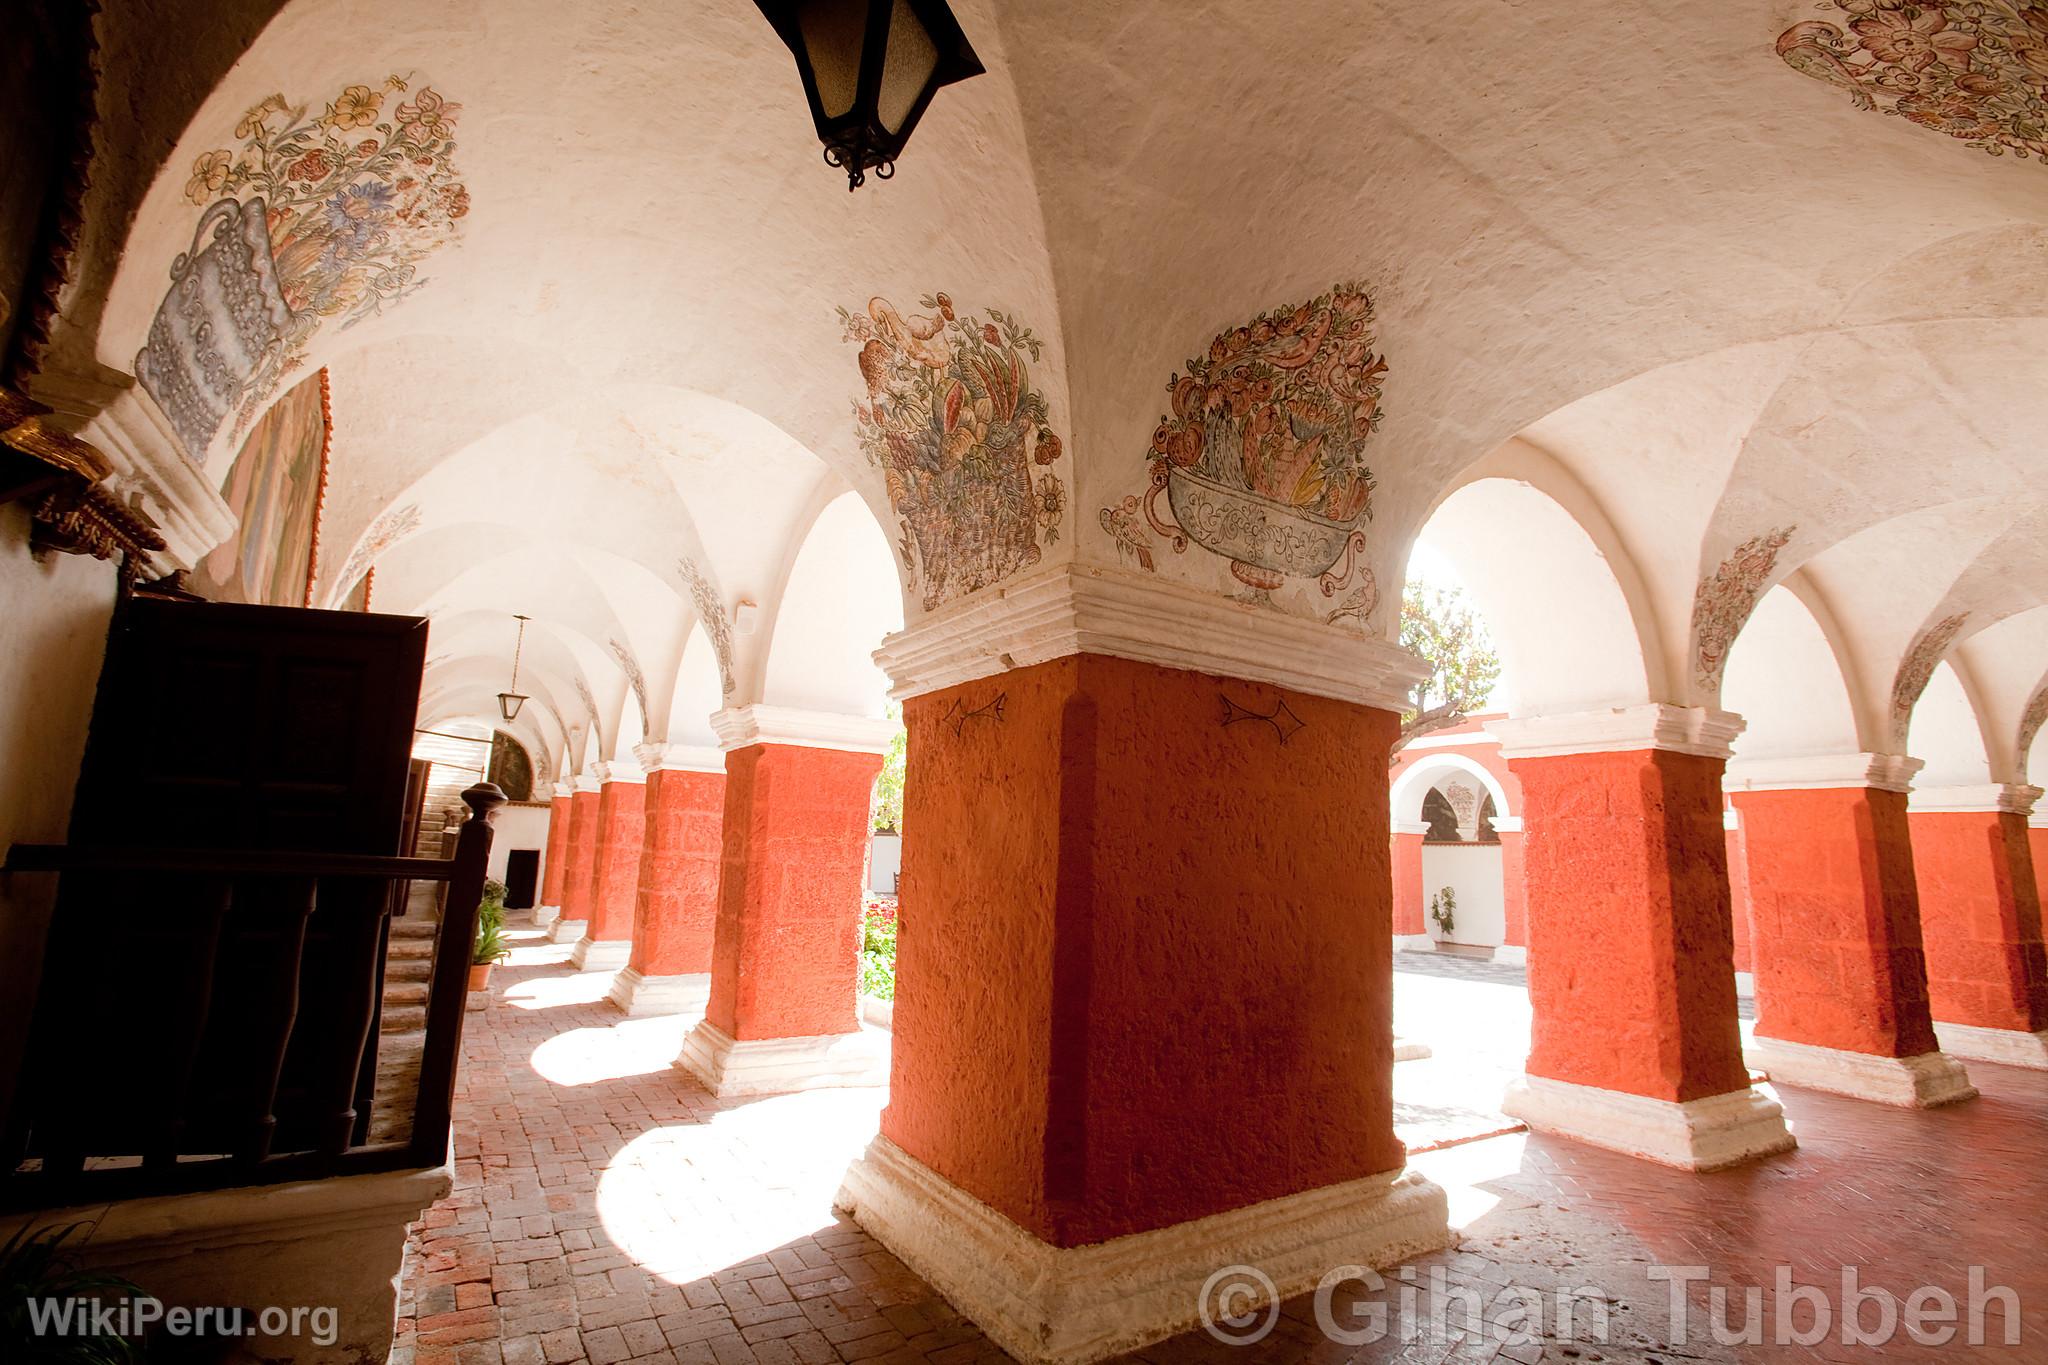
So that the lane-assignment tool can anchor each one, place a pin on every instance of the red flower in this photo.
(1914, 44)
(314, 165)
(990, 334)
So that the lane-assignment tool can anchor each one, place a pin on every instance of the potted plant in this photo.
(36, 1265)
(1443, 912)
(490, 946)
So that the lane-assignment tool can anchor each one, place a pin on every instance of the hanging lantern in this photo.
(511, 700)
(869, 68)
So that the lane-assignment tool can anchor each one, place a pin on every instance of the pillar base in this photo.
(1049, 1305)
(1414, 943)
(1708, 1134)
(568, 930)
(601, 954)
(2009, 1046)
(1511, 955)
(730, 1067)
(544, 916)
(1927, 1081)
(1408, 1050)
(640, 996)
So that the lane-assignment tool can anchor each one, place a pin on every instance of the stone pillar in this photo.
(1980, 914)
(580, 863)
(1514, 893)
(1144, 994)
(676, 908)
(1411, 914)
(1742, 914)
(784, 1007)
(1635, 1044)
(555, 860)
(1841, 980)
(620, 832)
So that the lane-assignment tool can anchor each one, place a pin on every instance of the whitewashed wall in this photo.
(885, 862)
(1474, 871)
(519, 827)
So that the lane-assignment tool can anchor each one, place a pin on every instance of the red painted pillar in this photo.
(621, 830)
(580, 864)
(676, 909)
(784, 1011)
(555, 860)
(1514, 891)
(1635, 1043)
(1411, 927)
(1742, 910)
(1980, 914)
(1841, 977)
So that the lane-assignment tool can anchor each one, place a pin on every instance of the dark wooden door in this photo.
(522, 871)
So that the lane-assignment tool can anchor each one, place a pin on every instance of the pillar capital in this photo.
(1697, 730)
(564, 790)
(1078, 609)
(1822, 772)
(739, 726)
(689, 758)
(589, 783)
(620, 770)
(1507, 824)
(2007, 798)
(1411, 826)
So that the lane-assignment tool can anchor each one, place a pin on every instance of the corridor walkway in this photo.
(607, 1209)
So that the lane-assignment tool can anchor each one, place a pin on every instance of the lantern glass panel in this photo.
(833, 32)
(911, 60)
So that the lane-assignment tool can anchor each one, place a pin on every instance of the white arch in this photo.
(1412, 785)
(1784, 680)
(1946, 734)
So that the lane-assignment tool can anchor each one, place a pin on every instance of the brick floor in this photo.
(608, 1210)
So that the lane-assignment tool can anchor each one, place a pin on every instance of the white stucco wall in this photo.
(1474, 872)
(885, 863)
(519, 827)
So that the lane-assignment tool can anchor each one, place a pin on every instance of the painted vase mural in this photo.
(1262, 458)
(1725, 599)
(1975, 70)
(319, 216)
(956, 424)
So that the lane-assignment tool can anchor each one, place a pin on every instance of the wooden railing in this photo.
(209, 1018)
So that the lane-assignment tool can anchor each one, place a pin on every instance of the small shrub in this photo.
(878, 948)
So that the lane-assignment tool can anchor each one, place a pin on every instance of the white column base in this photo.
(640, 996)
(1512, 955)
(2009, 1046)
(1051, 1305)
(331, 1242)
(600, 954)
(1745, 985)
(568, 930)
(1407, 1050)
(730, 1067)
(1414, 943)
(1708, 1134)
(1927, 1081)
(544, 916)
(880, 1013)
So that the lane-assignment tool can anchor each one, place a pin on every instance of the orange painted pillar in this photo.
(676, 908)
(1841, 978)
(555, 859)
(1635, 1044)
(1742, 910)
(1980, 914)
(1514, 892)
(579, 865)
(621, 830)
(1411, 926)
(783, 1011)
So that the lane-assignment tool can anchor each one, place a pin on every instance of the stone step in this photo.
(409, 949)
(409, 969)
(403, 1018)
(398, 993)
(413, 929)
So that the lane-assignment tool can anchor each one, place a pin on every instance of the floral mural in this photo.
(711, 614)
(1976, 70)
(1726, 598)
(390, 527)
(1917, 668)
(957, 425)
(635, 679)
(323, 212)
(274, 489)
(1262, 458)
(2031, 721)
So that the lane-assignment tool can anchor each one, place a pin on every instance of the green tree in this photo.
(1438, 625)
(889, 786)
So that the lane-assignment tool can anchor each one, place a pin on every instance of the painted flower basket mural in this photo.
(956, 424)
(1725, 599)
(321, 215)
(1975, 70)
(1262, 458)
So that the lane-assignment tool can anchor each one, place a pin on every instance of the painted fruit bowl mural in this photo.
(1262, 458)
(956, 424)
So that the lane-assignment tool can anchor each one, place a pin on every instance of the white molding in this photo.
(1927, 1081)
(1707, 1134)
(1507, 824)
(2009, 1046)
(1082, 609)
(1745, 985)
(1731, 819)
(1050, 1305)
(639, 996)
(588, 782)
(1697, 730)
(1512, 954)
(568, 930)
(619, 770)
(681, 758)
(754, 723)
(565, 789)
(731, 1067)
(544, 916)
(2008, 798)
(600, 954)
(1451, 739)
(1410, 826)
(1822, 772)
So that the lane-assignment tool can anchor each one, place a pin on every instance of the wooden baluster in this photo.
(354, 911)
(274, 995)
(366, 1074)
(184, 1028)
(445, 1005)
